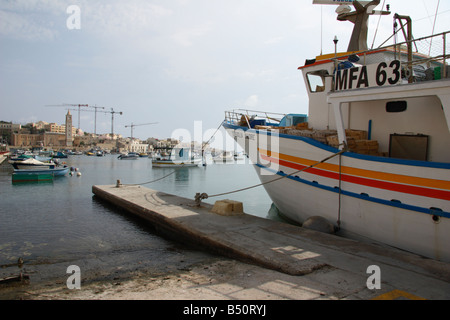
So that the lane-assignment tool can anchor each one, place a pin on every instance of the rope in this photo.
(181, 166)
(200, 196)
(378, 24)
(143, 183)
(204, 144)
(213, 135)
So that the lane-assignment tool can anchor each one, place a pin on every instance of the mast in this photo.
(360, 18)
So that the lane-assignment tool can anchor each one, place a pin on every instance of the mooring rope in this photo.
(201, 196)
(143, 183)
(204, 144)
(181, 166)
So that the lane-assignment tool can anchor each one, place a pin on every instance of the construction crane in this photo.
(135, 125)
(95, 118)
(112, 119)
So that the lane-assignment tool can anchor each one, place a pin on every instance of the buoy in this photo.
(318, 223)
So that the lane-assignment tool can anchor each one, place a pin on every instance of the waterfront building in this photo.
(138, 147)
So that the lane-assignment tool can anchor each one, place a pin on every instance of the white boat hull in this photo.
(401, 203)
(223, 160)
(55, 171)
(171, 164)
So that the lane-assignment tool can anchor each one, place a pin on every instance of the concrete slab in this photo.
(329, 260)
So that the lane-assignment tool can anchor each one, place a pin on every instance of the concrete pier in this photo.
(286, 248)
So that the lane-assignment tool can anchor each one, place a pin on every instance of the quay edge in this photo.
(280, 246)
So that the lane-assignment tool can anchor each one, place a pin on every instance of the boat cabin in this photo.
(372, 91)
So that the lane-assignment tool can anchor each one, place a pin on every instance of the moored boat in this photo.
(128, 156)
(20, 177)
(55, 171)
(59, 155)
(3, 156)
(31, 164)
(373, 157)
(224, 157)
(175, 157)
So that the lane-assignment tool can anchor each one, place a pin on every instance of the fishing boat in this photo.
(175, 157)
(373, 154)
(55, 171)
(31, 164)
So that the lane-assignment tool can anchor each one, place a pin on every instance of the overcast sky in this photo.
(171, 61)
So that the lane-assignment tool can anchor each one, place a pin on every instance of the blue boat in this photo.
(60, 154)
(32, 164)
(56, 171)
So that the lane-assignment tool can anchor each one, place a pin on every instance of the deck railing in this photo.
(425, 51)
(237, 116)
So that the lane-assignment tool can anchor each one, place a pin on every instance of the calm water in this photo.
(60, 222)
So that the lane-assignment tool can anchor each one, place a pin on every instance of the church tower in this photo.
(69, 138)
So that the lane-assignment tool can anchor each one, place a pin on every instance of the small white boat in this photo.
(31, 164)
(128, 156)
(175, 157)
(238, 156)
(56, 171)
(3, 156)
(224, 157)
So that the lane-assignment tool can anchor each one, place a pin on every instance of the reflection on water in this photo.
(61, 220)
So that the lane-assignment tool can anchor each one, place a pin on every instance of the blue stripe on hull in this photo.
(361, 196)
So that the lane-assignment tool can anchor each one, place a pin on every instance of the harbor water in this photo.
(51, 225)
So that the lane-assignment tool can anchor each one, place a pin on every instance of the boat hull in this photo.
(56, 171)
(401, 203)
(125, 157)
(223, 160)
(32, 167)
(19, 177)
(174, 164)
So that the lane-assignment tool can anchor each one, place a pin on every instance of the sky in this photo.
(179, 64)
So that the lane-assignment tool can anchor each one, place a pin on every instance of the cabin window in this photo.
(396, 106)
(316, 81)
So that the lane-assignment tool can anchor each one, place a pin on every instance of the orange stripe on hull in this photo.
(323, 170)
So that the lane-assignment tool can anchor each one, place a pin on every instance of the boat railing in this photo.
(414, 52)
(248, 118)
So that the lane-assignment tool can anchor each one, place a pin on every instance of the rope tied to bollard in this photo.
(119, 184)
(201, 196)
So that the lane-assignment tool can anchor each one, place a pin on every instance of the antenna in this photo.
(359, 17)
(434, 24)
(135, 125)
(321, 30)
(378, 25)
